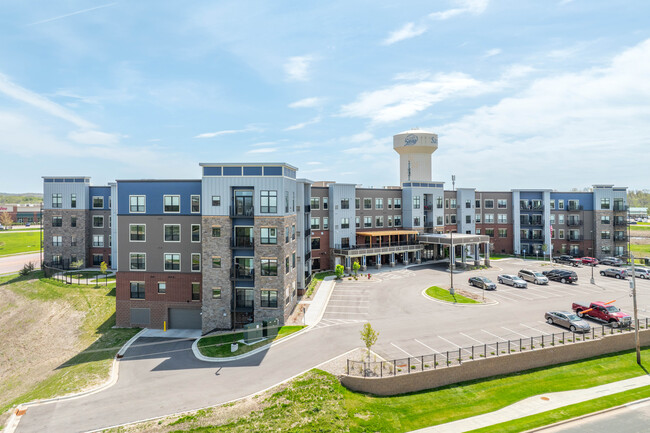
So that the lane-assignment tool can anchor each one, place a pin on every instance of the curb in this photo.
(457, 304)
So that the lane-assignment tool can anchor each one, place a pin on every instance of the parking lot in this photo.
(411, 325)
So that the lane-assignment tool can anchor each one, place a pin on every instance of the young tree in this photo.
(369, 337)
(355, 267)
(339, 270)
(5, 220)
(77, 264)
(103, 267)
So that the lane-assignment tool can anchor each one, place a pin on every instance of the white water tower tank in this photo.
(415, 147)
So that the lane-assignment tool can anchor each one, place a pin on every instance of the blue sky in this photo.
(523, 94)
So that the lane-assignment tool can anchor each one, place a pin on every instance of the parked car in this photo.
(568, 320)
(562, 275)
(512, 280)
(482, 283)
(615, 273)
(602, 312)
(591, 261)
(611, 261)
(567, 260)
(27, 224)
(640, 272)
(532, 276)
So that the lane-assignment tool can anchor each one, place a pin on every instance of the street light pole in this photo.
(636, 316)
(593, 255)
(452, 252)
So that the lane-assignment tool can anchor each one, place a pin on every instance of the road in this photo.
(16, 263)
(628, 419)
(159, 377)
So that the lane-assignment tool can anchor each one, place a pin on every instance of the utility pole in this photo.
(636, 316)
(452, 251)
(593, 252)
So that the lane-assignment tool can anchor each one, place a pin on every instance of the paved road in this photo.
(159, 377)
(629, 419)
(16, 263)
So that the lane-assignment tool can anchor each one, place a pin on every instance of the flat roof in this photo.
(447, 238)
(244, 164)
(388, 232)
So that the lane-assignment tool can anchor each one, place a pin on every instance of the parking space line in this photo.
(515, 332)
(535, 329)
(399, 348)
(430, 348)
(454, 344)
(471, 338)
(494, 335)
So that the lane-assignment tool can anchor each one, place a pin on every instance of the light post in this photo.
(452, 252)
(636, 316)
(593, 264)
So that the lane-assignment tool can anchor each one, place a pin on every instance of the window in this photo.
(345, 223)
(489, 204)
(57, 201)
(325, 203)
(345, 203)
(171, 203)
(552, 205)
(379, 221)
(162, 287)
(561, 234)
(315, 243)
(389, 221)
(57, 241)
(73, 201)
(110, 241)
(172, 232)
(196, 232)
(137, 289)
(137, 232)
(56, 259)
(478, 231)
(286, 235)
(502, 204)
(286, 265)
(489, 232)
(196, 262)
(367, 222)
(216, 200)
(195, 203)
(216, 293)
(447, 219)
(73, 243)
(502, 218)
(379, 203)
(315, 223)
(390, 203)
(605, 235)
(98, 240)
(477, 204)
(138, 261)
(416, 221)
(326, 223)
(439, 220)
(604, 203)
(268, 201)
(73, 258)
(73, 221)
(98, 221)
(503, 233)
(216, 231)
(397, 203)
(416, 202)
(397, 220)
(560, 204)
(439, 203)
(452, 217)
(452, 203)
(446, 203)
(196, 291)
(468, 204)
(315, 203)
(357, 222)
(552, 218)
(560, 218)
(98, 202)
(293, 259)
(269, 235)
(604, 219)
(269, 298)
(489, 218)
(357, 203)
(172, 262)
(216, 262)
(136, 203)
(477, 218)
(468, 219)
(269, 267)
(57, 221)
(367, 203)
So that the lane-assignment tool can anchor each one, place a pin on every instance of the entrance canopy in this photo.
(456, 238)
(388, 233)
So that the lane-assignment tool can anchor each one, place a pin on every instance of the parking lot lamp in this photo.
(636, 315)
(593, 264)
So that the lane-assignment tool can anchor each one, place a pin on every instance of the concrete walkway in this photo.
(319, 303)
(538, 404)
(172, 333)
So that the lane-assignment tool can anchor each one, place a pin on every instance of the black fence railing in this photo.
(573, 223)
(620, 207)
(374, 245)
(242, 242)
(242, 274)
(575, 237)
(620, 223)
(574, 208)
(622, 238)
(242, 211)
(458, 356)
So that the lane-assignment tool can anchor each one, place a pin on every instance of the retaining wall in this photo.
(482, 368)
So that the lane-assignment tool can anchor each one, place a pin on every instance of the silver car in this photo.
(567, 319)
(533, 276)
(640, 273)
(512, 280)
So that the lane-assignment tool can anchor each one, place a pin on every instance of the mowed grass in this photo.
(316, 401)
(15, 243)
(444, 295)
(639, 227)
(218, 346)
(93, 349)
(640, 250)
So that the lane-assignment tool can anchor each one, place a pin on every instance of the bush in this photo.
(27, 268)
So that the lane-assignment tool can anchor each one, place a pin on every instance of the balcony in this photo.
(620, 238)
(307, 208)
(575, 208)
(530, 207)
(428, 207)
(620, 222)
(244, 305)
(242, 275)
(574, 222)
(620, 207)
(531, 223)
(244, 211)
(575, 238)
(376, 248)
(242, 242)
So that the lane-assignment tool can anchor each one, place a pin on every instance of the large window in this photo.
(345, 203)
(489, 204)
(172, 262)
(196, 262)
(315, 203)
(502, 218)
(56, 259)
(137, 232)
(268, 201)
(269, 298)
(57, 241)
(73, 201)
(397, 203)
(379, 203)
(416, 202)
(73, 221)
(503, 233)
(172, 203)
(379, 221)
(367, 203)
(98, 202)
(315, 223)
(315, 244)
(98, 221)
(195, 204)
(137, 289)
(138, 261)
(98, 240)
(172, 232)
(326, 224)
(502, 204)
(398, 220)
(489, 218)
(269, 267)
(604, 219)
(57, 201)
(604, 203)
(196, 232)
(136, 204)
(489, 232)
(452, 203)
(269, 235)
(57, 221)
(345, 223)
(196, 291)
(367, 222)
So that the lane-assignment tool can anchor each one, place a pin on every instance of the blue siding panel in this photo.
(97, 191)
(585, 199)
(154, 192)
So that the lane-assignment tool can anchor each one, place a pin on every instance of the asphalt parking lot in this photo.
(393, 300)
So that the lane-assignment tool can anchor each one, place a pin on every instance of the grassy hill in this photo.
(22, 198)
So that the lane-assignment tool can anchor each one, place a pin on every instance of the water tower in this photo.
(415, 148)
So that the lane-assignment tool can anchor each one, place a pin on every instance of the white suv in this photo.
(532, 276)
(640, 272)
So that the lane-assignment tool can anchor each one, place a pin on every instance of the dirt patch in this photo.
(36, 338)
(470, 295)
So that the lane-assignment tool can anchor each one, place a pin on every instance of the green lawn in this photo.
(444, 295)
(316, 279)
(97, 341)
(316, 401)
(640, 250)
(639, 227)
(15, 243)
(218, 346)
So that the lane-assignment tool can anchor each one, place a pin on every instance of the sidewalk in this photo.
(538, 404)
(319, 303)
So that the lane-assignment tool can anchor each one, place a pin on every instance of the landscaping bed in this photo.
(218, 346)
(460, 296)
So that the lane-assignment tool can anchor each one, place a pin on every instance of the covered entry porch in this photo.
(380, 248)
(451, 246)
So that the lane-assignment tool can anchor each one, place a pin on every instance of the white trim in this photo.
(98, 246)
(191, 240)
(179, 203)
(179, 233)
(192, 262)
(145, 203)
(145, 232)
(92, 202)
(179, 263)
(191, 197)
(145, 262)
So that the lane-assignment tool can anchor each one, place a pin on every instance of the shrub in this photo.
(27, 268)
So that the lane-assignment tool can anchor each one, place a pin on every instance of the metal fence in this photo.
(489, 350)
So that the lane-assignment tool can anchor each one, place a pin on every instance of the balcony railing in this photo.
(242, 242)
(620, 207)
(574, 208)
(531, 207)
(534, 223)
(620, 223)
(246, 211)
(619, 238)
(575, 237)
(244, 305)
(374, 245)
(428, 207)
(242, 275)
(574, 223)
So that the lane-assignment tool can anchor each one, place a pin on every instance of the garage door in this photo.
(183, 318)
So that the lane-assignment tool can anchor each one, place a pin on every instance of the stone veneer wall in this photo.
(216, 313)
(599, 227)
(80, 232)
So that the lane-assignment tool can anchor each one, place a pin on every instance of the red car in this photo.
(589, 261)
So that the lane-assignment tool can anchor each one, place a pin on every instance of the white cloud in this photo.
(263, 143)
(492, 52)
(224, 132)
(71, 14)
(306, 103)
(409, 30)
(297, 68)
(263, 150)
(303, 124)
(314, 163)
(474, 7)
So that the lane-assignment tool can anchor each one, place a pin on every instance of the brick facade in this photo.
(67, 232)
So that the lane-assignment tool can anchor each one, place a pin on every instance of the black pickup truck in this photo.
(567, 260)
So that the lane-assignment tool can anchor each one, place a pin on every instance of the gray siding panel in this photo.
(66, 189)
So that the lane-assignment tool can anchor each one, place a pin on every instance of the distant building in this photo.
(639, 212)
(22, 214)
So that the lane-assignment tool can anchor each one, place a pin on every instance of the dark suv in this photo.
(567, 260)
(561, 275)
